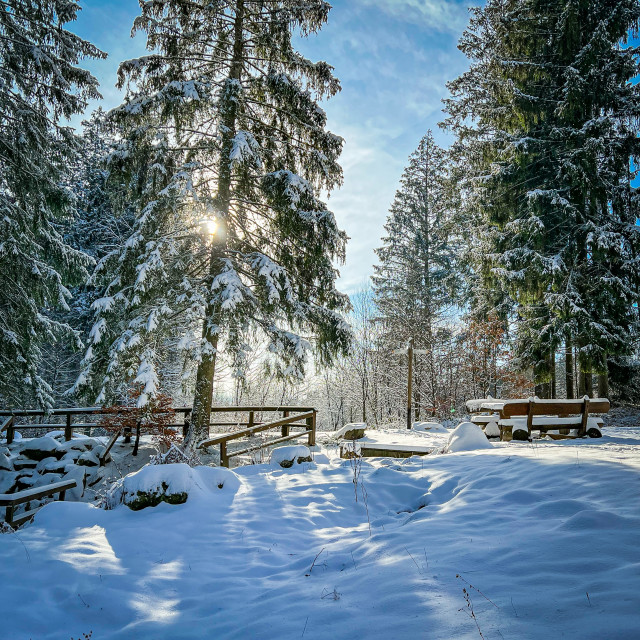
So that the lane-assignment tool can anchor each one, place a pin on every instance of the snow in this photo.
(287, 454)
(549, 534)
(349, 427)
(467, 437)
(172, 479)
(433, 427)
(492, 430)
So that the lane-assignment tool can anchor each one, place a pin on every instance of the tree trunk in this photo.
(210, 330)
(588, 384)
(603, 385)
(568, 354)
(552, 382)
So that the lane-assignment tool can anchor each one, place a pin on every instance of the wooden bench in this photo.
(350, 448)
(520, 417)
(12, 500)
(545, 416)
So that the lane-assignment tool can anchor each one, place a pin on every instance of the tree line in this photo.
(180, 239)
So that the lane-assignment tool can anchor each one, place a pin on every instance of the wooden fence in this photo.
(87, 420)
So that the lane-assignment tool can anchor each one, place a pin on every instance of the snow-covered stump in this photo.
(519, 432)
(351, 431)
(492, 430)
(287, 456)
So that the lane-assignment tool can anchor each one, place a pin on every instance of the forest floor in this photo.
(523, 540)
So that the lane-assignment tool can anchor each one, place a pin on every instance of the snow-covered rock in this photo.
(171, 483)
(88, 459)
(467, 437)
(40, 448)
(79, 475)
(351, 431)
(5, 463)
(286, 456)
(492, 430)
(433, 427)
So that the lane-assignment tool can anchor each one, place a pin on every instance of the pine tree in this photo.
(40, 84)
(546, 120)
(417, 274)
(222, 129)
(417, 281)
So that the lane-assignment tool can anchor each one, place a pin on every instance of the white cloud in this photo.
(440, 15)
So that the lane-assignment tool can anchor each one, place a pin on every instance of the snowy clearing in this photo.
(547, 532)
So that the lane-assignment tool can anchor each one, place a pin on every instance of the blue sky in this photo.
(393, 58)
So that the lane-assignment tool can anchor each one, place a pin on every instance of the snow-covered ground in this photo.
(544, 538)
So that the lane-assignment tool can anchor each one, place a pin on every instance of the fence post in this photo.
(224, 459)
(10, 430)
(285, 430)
(311, 426)
(187, 423)
(251, 420)
(67, 428)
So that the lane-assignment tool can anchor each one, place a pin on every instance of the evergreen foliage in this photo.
(40, 84)
(547, 127)
(221, 128)
(417, 279)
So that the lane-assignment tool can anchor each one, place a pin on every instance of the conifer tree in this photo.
(40, 84)
(547, 125)
(418, 280)
(417, 274)
(222, 130)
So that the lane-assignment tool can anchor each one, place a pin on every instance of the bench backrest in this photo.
(536, 407)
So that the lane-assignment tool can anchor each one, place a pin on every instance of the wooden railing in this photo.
(304, 417)
(12, 500)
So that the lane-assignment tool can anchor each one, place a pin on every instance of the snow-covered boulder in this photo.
(88, 459)
(5, 463)
(40, 448)
(492, 430)
(432, 427)
(467, 437)
(80, 476)
(351, 431)
(171, 483)
(286, 456)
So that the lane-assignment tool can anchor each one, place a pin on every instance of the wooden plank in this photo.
(253, 430)
(110, 444)
(263, 445)
(513, 408)
(21, 497)
(20, 519)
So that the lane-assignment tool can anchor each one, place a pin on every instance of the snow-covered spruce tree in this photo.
(417, 281)
(40, 84)
(96, 228)
(221, 123)
(547, 123)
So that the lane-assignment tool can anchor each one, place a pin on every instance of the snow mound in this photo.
(286, 456)
(467, 437)
(492, 430)
(432, 427)
(171, 483)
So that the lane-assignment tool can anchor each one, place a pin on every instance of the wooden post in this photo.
(9, 514)
(285, 429)
(585, 417)
(224, 459)
(10, 430)
(67, 429)
(409, 383)
(311, 422)
(251, 419)
(187, 421)
(137, 442)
